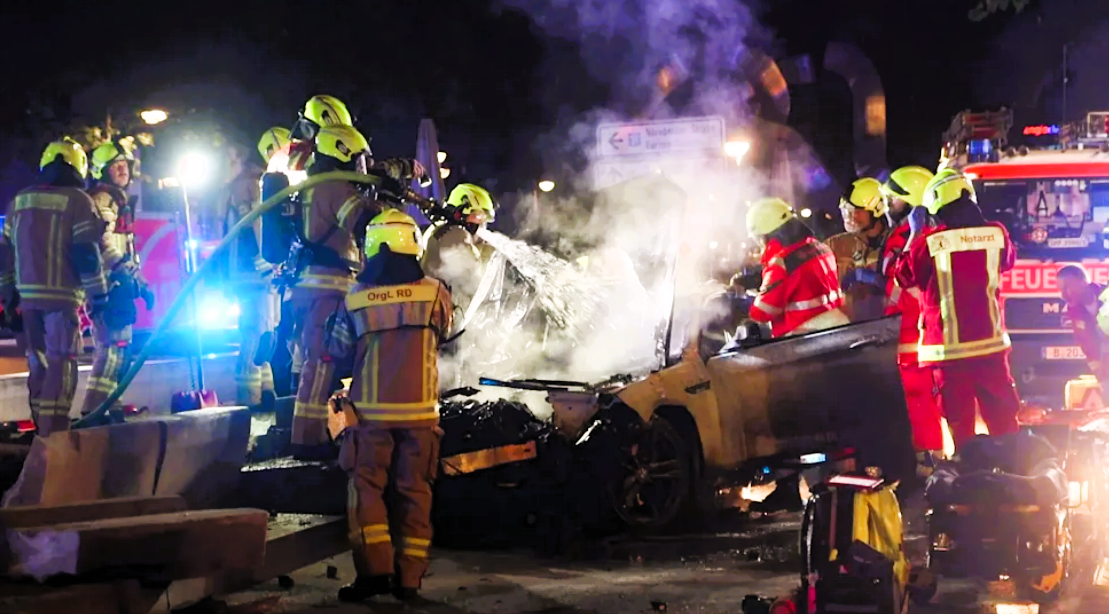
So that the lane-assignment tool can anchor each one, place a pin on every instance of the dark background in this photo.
(503, 91)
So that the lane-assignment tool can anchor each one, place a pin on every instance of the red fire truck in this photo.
(1050, 187)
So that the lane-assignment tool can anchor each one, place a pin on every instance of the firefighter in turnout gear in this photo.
(800, 289)
(391, 323)
(113, 166)
(475, 205)
(903, 191)
(332, 217)
(50, 255)
(864, 218)
(318, 112)
(249, 280)
(957, 266)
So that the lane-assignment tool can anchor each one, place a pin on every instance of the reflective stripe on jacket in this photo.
(394, 334)
(900, 300)
(36, 251)
(958, 272)
(799, 282)
(118, 241)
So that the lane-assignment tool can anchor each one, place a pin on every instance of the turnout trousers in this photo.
(257, 316)
(111, 359)
(922, 398)
(984, 380)
(310, 315)
(53, 339)
(392, 541)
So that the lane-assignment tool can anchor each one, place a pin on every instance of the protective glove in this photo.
(146, 294)
(96, 305)
(402, 169)
(918, 218)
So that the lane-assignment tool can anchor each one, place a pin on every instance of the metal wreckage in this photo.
(686, 427)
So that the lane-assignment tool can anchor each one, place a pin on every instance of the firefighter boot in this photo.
(365, 587)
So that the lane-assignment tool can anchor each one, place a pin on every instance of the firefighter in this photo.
(864, 218)
(957, 265)
(320, 111)
(113, 166)
(50, 255)
(800, 288)
(1083, 313)
(333, 211)
(903, 191)
(249, 277)
(476, 208)
(391, 323)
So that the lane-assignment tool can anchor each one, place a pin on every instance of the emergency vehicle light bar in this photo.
(856, 481)
(983, 126)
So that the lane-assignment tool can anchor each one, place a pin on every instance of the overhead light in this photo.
(806, 212)
(154, 116)
(546, 185)
(713, 245)
(442, 157)
(444, 172)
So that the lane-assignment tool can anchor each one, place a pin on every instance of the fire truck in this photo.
(1050, 188)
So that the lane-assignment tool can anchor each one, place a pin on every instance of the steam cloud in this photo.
(618, 273)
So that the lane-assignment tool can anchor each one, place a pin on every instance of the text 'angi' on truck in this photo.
(1050, 188)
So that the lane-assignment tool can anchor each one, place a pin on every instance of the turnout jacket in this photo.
(393, 334)
(799, 282)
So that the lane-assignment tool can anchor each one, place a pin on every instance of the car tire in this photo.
(657, 477)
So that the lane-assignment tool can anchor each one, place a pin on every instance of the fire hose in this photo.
(431, 208)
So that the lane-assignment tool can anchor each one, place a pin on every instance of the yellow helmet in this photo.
(766, 215)
(343, 143)
(103, 156)
(396, 229)
(273, 140)
(70, 152)
(326, 111)
(945, 188)
(865, 193)
(471, 198)
(907, 183)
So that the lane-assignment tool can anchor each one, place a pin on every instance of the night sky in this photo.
(504, 90)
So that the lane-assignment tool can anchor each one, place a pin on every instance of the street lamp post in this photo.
(194, 169)
(153, 116)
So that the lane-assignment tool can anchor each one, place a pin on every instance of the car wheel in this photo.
(655, 477)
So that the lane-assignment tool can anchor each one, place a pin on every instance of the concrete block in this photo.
(39, 515)
(90, 464)
(164, 546)
(204, 454)
(195, 454)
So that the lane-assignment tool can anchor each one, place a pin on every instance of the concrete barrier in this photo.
(153, 387)
(196, 454)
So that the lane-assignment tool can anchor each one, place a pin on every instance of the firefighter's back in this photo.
(399, 328)
(43, 224)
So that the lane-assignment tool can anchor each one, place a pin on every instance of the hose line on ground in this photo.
(190, 284)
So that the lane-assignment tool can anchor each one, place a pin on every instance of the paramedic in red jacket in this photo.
(903, 191)
(1084, 302)
(957, 266)
(800, 287)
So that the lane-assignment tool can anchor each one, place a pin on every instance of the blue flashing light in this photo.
(813, 459)
(979, 147)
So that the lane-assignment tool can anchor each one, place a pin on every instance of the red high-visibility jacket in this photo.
(799, 282)
(1083, 322)
(958, 271)
(900, 300)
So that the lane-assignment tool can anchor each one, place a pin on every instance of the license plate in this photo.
(1064, 353)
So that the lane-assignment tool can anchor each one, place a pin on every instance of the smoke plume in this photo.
(621, 259)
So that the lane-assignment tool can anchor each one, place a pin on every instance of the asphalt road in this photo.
(705, 573)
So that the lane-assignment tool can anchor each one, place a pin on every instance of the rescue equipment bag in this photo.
(279, 224)
(852, 549)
